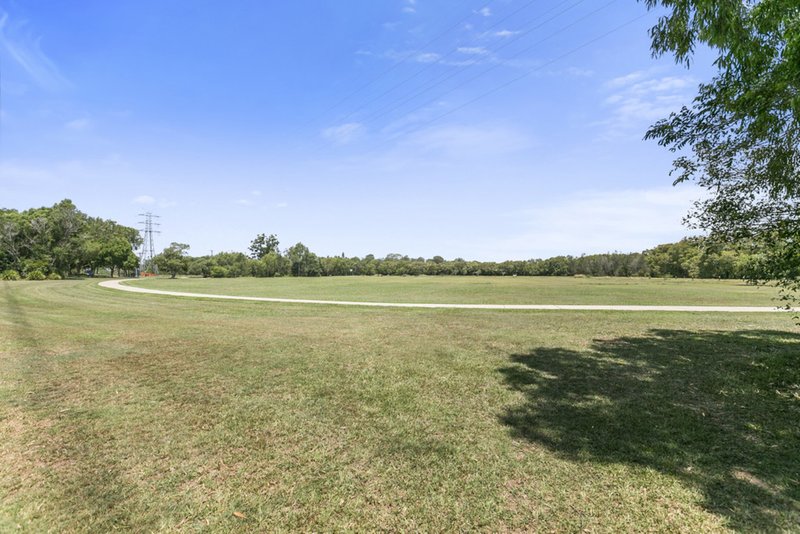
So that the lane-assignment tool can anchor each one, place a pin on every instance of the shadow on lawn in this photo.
(719, 410)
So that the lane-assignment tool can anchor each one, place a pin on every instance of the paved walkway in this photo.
(120, 285)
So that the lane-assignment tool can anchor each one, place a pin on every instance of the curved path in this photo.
(118, 284)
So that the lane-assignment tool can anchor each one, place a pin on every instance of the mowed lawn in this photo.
(151, 413)
(483, 289)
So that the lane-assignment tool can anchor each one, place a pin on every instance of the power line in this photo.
(439, 81)
(436, 83)
(515, 79)
(401, 61)
(440, 59)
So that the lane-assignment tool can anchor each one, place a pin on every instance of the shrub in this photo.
(10, 274)
(35, 275)
(54, 276)
(217, 271)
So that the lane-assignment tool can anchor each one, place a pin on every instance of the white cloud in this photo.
(467, 141)
(282, 205)
(144, 200)
(484, 12)
(410, 7)
(627, 79)
(147, 200)
(640, 98)
(505, 33)
(603, 221)
(78, 124)
(427, 57)
(473, 50)
(344, 133)
(255, 193)
(26, 51)
(244, 202)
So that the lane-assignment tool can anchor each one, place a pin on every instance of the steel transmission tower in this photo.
(148, 245)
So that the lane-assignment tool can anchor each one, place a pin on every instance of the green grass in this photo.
(150, 413)
(484, 290)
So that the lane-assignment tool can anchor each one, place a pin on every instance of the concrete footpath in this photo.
(120, 285)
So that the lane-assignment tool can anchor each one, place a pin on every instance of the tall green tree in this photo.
(740, 138)
(302, 262)
(263, 245)
(173, 259)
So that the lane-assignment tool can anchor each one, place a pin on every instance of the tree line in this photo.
(695, 257)
(59, 241)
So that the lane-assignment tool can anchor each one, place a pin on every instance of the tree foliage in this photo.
(174, 259)
(263, 245)
(61, 239)
(740, 138)
(689, 258)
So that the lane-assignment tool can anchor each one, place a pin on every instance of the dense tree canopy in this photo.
(690, 258)
(62, 240)
(740, 139)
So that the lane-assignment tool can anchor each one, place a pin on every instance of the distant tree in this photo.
(173, 259)
(200, 266)
(104, 243)
(263, 245)
(302, 261)
(272, 264)
(236, 264)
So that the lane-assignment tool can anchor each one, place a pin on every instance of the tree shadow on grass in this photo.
(718, 410)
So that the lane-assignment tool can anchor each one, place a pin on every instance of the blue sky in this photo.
(505, 129)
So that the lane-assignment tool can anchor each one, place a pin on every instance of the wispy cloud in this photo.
(639, 98)
(344, 133)
(427, 57)
(26, 51)
(473, 50)
(467, 140)
(578, 72)
(484, 12)
(504, 33)
(78, 124)
(410, 7)
(603, 221)
(145, 200)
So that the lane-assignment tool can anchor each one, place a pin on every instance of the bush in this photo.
(54, 276)
(218, 271)
(10, 274)
(35, 275)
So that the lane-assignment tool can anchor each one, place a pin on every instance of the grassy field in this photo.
(483, 290)
(150, 413)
